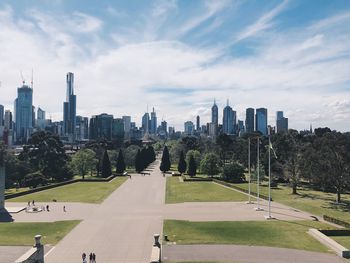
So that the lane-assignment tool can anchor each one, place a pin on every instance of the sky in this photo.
(178, 56)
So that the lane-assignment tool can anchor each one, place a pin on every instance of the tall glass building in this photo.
(153, 128)
(69, 110)
(227, 120)
(215, 114)
(249, 120)
(23, 114)
(261, 120)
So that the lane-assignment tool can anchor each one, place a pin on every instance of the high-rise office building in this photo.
(198, 123)
(101, 127)
(127, 127)
(69, 110)
(8, 120)
(24, 113)
(215, 114)
(227, 120)
(249, 120)
(189, 128)
(240, 127)
(41, 120)
(281, 122)
(118, 129)
(261, 120)
(153, 128)
(164, 127)
(82, 128)
(1, 115)
(145, 123)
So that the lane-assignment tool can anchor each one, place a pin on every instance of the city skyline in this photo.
(182, 58)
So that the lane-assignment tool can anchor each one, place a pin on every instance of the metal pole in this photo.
(269, 176)
(258, 165)
(249, 169)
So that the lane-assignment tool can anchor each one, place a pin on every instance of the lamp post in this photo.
(269, 202)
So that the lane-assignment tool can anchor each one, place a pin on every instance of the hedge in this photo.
(336, 221)
(241, 189)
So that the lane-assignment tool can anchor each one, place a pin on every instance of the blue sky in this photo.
(179, 55)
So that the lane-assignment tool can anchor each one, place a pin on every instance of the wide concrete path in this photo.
(120, 229)
(244, 254)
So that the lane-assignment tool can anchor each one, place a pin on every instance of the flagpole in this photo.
(249, 202)
(269, 175)
(258, 185)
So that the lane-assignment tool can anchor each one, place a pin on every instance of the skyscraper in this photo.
(189, 127)
(1, 115)
(8, 120)
(281, 122)
(227, 120)
(69, 109)
(145, 123)
(249, 120)
(261, 120)
(127, 127)
(82, 128)
(24, 113)
(101, 127)
(41, 120)
(153, 128)
(214, 114)
(198, 123)
(118, 129)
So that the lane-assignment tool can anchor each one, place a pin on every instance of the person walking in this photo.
(93, 258)
(64, 208)
(47, 208)
(90, 258)
(83, 256)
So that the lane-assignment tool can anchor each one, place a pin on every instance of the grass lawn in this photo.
(86, 192)
(179, 192)
(315, 202)
(286, 234)
(342, 240)
(22, 234)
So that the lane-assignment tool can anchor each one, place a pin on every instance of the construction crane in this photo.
(23, 80)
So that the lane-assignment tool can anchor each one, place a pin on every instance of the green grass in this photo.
(14, 190)
(22, 234)
(285, 234)
(179, 192)
(342, 240)
(315, 202)
(86, 192)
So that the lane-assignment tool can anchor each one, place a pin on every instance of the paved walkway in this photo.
(121, 228)
(244, 254)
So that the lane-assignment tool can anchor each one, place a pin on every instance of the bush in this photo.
(233, 172)
(210, 164)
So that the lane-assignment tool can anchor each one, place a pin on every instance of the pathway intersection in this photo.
(121, 228)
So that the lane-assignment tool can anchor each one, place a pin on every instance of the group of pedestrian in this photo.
(44, 208)
(92, 258)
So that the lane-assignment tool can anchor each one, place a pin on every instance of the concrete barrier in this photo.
(327, 241)
(33, 255)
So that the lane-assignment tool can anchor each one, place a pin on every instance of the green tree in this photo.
(106, 170)
(130, 155)
(192, 167)
(181, 167)
(45, 153)
(83, 161)
(210, 164)
(165, 163)
(138, 162)
(120, 163)
(196, 155)
(233, 172)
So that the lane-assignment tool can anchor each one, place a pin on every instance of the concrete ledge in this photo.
(327, 241)
(25, 257)
(155, 256)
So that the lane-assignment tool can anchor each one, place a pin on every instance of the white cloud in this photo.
(263, 23)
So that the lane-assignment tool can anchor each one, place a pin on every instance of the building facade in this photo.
(261, 120)
(69, 109)
(23, 114)
(249, 120)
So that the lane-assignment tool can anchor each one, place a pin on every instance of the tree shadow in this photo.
(5, 216)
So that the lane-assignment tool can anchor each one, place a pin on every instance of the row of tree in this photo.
(322, 159)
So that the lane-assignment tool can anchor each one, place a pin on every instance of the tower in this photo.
(69, 109)
(24, 113)
(249, 120)
(261, 120)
